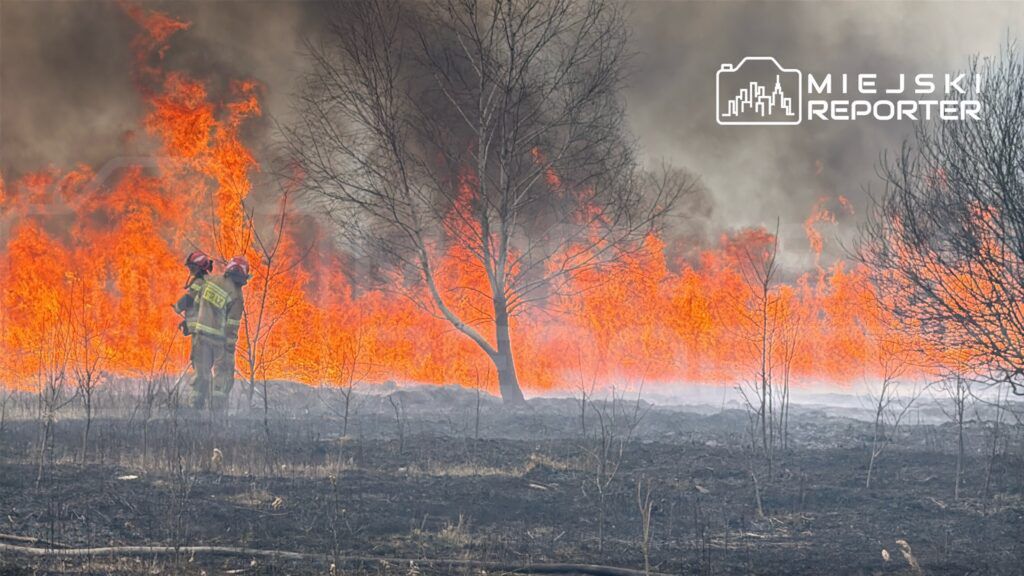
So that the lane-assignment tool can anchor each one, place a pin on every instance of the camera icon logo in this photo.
(758, 91)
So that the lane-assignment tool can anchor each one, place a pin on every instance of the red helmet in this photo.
(199, 262)
(237, 269)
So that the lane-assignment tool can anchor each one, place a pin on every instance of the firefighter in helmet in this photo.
(236, 275)
(199, 267)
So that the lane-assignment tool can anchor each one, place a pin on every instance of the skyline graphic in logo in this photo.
(758, 90)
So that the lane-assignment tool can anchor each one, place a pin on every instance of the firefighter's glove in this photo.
(184, 303)
(184, 328)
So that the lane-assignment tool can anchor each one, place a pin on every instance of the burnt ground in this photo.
(521, 485)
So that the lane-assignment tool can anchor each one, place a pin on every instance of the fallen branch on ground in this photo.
(590, 569)
(31, 540)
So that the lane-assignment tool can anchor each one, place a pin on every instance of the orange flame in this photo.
(100, 265)
(821, 214)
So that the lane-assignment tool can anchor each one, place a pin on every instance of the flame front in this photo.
(93, 262)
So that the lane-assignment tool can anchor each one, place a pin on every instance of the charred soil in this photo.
(443, 480)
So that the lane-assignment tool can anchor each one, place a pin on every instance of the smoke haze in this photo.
(67, 95)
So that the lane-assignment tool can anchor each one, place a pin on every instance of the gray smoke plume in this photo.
(758, 174)
(67, 95)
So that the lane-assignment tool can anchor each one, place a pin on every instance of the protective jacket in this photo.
(224, 365)
(234, 317)
(188, 304)
(219, 310)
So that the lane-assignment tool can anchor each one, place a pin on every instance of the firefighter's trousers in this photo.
(223, 378)
(206, 353)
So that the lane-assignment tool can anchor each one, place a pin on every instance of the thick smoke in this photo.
(67, 94)
(758, 174)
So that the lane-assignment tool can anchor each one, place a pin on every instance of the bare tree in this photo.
(155, 381)
(586, 390)
(88, 350)
(342, 368)
(399, 408)
(957, 388)
(762, 314)
(52, 355)
(997, 426)
(483, 135)
(617, 421)
(888, 402)
(794, 319)
(272, 294)
(347, 389)
(645, 503)
(945, 240)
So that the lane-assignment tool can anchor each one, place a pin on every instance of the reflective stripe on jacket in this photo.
(216, 303)
(189, 303)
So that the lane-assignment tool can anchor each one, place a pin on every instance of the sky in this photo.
(67, 96)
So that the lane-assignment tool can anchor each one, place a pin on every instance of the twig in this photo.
(757, 494)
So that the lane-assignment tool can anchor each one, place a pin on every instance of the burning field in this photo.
(90, 251)
(464, 285)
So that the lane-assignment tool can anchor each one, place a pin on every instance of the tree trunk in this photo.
(88, 426)
(765, 390)
(874, 451)
(348, 400)
(251, 392)
(508, 380)
(43, 447)
(959, 456)
(871, 468)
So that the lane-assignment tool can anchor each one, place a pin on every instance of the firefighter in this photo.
(236, 275)
(212, 304)
(199, 266)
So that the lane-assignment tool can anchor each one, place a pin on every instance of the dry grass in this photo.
(436, 469)
(464, 470)
(229, 463)
(453, 534)
(538, 460)
(253, 498)
(456, 534)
